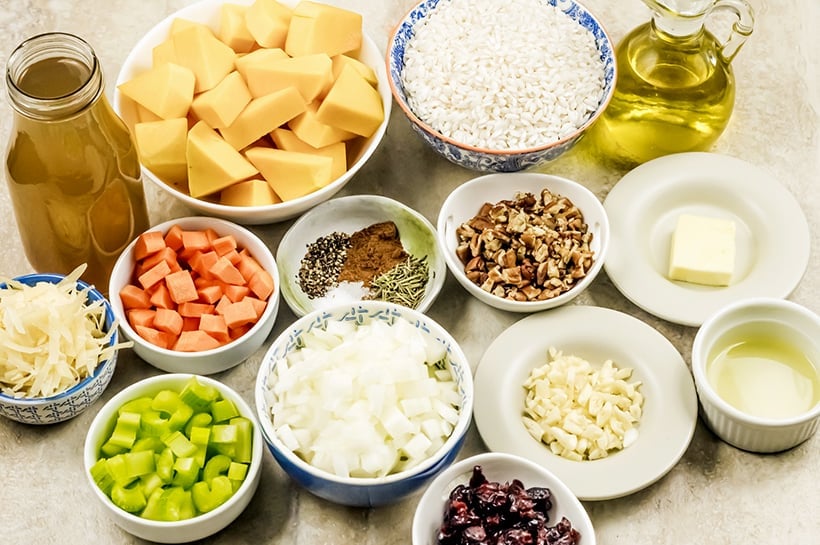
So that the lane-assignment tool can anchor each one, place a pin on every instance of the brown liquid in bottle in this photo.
(74, 176)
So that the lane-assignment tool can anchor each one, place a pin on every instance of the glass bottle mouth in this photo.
(68, 100)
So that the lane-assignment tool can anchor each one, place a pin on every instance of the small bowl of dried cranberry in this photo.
(500, 498)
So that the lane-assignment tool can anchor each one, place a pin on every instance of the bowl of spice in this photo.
(524, 241)
(361, 247)
(526, 80)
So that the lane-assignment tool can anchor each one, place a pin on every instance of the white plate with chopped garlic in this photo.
(765, 252)
(630, 387)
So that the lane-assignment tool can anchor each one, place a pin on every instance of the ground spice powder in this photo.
(373, 251)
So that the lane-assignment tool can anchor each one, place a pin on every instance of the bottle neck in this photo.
(53, 76)
(677, 29)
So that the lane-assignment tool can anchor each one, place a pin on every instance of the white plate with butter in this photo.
(771, 233)
(595, 334)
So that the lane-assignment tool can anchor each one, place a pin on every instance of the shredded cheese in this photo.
(580, 412)
(51, 338)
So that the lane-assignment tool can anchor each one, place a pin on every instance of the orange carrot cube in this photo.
(154, 274)
(226, 272)
(161, 297)
(236, 293)
(247, 265)
(215, 326)
(239, 313)
(210, 293)
(155, 336)
(223, 245)
(258, 305)
(140, 316)
(168, 320)
(195, 310)
(195, 240)
(261, 284)
(148, 243)
(195, 341)
(173, 238)
(181, 287)
(134, 297)
(202, 263)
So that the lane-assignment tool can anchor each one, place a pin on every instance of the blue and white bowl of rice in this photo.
(60, 347)
(501, 85)
(364, 404)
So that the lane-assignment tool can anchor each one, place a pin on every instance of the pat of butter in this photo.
(703, 250)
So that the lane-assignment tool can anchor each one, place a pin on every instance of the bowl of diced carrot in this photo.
(195, 294)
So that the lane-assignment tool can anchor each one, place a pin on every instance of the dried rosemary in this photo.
(404, 284)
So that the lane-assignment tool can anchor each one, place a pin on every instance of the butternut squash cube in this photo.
(161, 146)
(164, 52)
(352, 104)
(320, 28)
(233, 31)
(291, 174)
(220, 106)
(182, 24)
(268, 21)
(262, 115)
(144, 114)
(312, 75)
(254, 192)
(209, 59)
(166, 90)
(309, 129)
(213, 164)
(288, 141)
(258, 56)
(340, 61)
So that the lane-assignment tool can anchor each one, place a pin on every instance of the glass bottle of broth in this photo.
(675, 88)
(72, 169)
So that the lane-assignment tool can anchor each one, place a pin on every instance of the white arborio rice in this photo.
(502, 74)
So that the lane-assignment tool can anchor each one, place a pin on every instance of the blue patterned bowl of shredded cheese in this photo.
(59, 343)
(501, 85)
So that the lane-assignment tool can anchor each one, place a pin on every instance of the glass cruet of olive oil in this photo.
(675, 89)
(72, 169)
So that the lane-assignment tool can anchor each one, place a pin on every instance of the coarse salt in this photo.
(343, 292)
(502, 74)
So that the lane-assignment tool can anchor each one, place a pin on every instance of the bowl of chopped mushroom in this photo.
(523, 242)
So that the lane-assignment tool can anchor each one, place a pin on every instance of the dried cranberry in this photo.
(493, 513)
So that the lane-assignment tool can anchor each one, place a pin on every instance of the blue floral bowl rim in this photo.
(93, 294)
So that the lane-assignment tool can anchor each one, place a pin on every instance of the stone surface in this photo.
(715, 494)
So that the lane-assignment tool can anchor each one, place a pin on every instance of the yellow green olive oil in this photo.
(674, 94)
(764, 375)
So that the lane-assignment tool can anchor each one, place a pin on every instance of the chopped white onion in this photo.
(364, 400)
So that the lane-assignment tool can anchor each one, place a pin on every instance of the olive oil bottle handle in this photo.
(741, 29)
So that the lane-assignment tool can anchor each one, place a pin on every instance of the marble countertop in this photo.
(715, 494)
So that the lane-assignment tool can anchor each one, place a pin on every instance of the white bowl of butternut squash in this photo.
(195, 295)
(254, 110)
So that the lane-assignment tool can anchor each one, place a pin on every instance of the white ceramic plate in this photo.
(670, 406)
(772, 240)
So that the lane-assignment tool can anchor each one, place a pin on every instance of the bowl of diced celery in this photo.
(174, 458)
(363, 404)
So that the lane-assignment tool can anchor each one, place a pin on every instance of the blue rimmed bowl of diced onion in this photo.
(501, 86)
(60, 341)
(364, 404)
